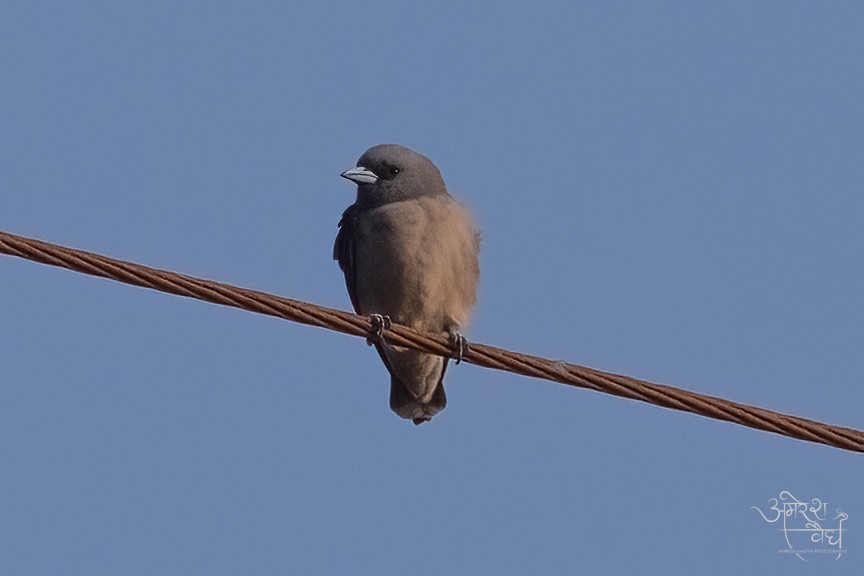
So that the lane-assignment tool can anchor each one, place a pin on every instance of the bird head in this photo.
(392, 173)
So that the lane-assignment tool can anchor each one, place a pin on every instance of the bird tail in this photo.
(403, 403)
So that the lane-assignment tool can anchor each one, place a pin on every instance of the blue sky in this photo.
(669, 190)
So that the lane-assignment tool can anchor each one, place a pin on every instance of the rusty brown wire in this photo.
(479, 354)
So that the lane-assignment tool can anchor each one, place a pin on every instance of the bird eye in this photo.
(394, 170)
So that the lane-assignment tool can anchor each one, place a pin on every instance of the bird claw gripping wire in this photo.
(378, 324)
(459, 345)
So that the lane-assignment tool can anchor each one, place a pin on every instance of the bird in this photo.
(409, 254)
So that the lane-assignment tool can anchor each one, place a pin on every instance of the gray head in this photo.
(390, 173)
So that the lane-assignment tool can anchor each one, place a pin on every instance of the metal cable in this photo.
(479, 354)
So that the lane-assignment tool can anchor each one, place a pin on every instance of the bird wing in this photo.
(343, 252)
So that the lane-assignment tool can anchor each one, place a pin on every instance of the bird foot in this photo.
(459, 345)
(378, 324)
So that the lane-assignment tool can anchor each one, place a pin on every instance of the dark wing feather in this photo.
(343, 252)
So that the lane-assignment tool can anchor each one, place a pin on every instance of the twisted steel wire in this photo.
(479, 354)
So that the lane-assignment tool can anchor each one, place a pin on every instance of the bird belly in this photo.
(419, 263)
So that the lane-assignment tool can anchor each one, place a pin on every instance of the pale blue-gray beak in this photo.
(360, 175)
